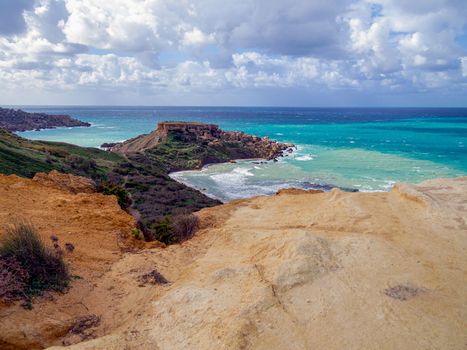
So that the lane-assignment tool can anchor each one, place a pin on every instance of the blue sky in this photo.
(248, 52)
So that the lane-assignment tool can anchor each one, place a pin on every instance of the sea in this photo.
(364, 149)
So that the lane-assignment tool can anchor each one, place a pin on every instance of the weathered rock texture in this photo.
(18, 120)
(97, 228)
(66, 182)
(299, 270)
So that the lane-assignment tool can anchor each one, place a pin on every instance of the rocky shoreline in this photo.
(16, 120)
(176, 146)
(209, 135)
(138, 169)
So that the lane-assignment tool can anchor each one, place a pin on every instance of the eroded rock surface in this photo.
(66, 182)
(303, 270)
(97, 229)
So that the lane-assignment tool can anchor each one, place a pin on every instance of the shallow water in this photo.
(364, 149)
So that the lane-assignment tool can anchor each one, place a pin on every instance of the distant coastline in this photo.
(17, 120)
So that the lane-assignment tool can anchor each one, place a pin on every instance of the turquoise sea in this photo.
(366, 149)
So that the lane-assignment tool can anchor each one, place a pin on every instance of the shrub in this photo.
(184, 227)
(81, 164)
(45, 269)
(163, 230)
(136, 233)
(122, 195)
(13, 278)
(175, 229)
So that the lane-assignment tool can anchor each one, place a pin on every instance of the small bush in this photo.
(81, 164)
(163, 230)
(13, 278)
(45, 269)
(175, 229)
(122, 195)
(137, 234)
(184, 227)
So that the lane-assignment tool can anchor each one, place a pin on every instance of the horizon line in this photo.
(224, 106)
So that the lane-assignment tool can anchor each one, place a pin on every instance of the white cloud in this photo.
(464, 66)
(196, 37)
(365, 45)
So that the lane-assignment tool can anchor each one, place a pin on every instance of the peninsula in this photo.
(18, 120)
(137, 171)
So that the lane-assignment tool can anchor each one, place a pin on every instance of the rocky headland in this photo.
(177, 146)
(230, 145)
(298, 270)
(138, 170)
(18, 120)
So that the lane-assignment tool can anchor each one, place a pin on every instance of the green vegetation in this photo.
(30, 266)
(179, 153)
(175, 229)
(141, 180)
(122, 195)
(163, 230)
(137, 234)
(26, 157)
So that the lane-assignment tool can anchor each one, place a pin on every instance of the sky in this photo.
(319, 53)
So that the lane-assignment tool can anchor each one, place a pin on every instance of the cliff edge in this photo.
(304, 271)
(68, 208)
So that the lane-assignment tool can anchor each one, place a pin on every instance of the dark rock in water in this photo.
(17, 120)
(348, 189)
(326, 187)
(108, 145)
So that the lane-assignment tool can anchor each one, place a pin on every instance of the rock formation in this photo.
(200, 132)
(18, 120)
(66, 182)
(299, 270)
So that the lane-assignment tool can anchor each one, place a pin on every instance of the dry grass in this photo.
(21, 250)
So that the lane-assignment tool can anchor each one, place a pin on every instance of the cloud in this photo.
(11, 16)
(337, 46)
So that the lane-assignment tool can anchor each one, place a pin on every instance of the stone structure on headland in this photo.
(201, 132)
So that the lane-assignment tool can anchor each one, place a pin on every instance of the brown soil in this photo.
(298, 270)
(98, 230)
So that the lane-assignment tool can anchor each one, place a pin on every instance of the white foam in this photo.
(305, 157)
(236, 177)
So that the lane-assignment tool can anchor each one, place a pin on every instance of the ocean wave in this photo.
(305, 157)
(236, 177)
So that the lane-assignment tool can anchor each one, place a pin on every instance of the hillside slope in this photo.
(67, 207)
(304, 270)
(25, 157)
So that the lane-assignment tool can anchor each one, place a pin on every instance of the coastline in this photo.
(271, 259)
